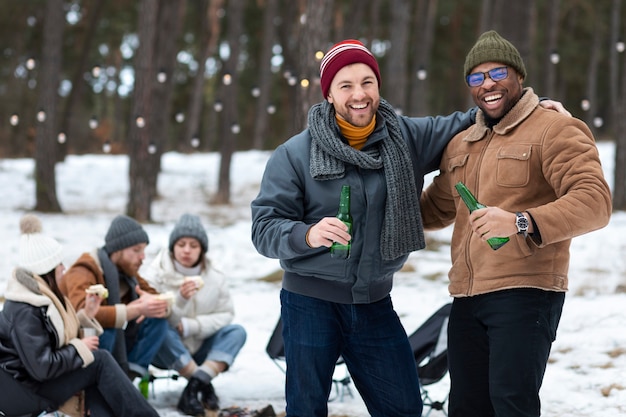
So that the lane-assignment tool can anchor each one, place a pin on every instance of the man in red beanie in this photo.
(333, 307)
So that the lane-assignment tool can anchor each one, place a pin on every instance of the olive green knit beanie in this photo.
(491, 47)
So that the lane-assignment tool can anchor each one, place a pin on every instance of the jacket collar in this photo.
(522, 109)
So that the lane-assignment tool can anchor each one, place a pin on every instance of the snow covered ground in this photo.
(587, 371)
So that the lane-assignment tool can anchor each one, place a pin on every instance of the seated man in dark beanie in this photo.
(133, 314)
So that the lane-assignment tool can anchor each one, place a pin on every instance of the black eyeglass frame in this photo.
(496, 74)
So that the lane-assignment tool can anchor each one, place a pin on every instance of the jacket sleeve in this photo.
(205, 325)
(571, 164)
(428, 136)
(81, 276)
(437, 204)
(35, 348)
(277, 212)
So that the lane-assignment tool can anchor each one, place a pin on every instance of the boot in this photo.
(189, 403)
(209, 398)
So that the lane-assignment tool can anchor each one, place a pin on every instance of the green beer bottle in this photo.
(472, 204)
(337, 250)
(144, 385)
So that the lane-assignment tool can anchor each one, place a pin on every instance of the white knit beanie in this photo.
(38, 254)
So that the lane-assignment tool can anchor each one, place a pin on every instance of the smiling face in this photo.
(496, 98)
(354, 94)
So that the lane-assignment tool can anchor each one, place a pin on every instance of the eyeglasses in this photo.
(477, 79)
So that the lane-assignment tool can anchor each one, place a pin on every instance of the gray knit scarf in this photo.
(402, 232)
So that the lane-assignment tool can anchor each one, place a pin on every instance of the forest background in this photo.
(147, 77)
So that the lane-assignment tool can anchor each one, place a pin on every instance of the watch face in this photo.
(521, 222)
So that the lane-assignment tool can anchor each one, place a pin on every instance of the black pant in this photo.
(108, 391)
(498, 348)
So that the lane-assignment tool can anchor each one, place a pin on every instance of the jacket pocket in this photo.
(513, 165)
(456, 168)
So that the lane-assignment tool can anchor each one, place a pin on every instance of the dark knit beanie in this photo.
(341, 54)
(123, 233)
(189, 226)
(491, 47)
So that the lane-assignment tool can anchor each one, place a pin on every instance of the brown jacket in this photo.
(533, 160)
(87, 271)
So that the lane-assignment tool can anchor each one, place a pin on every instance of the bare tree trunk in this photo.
(68, 123)
(265, 75)
(46, 133)
(619, 182)
(592, 74)
(210, 26)
(423, 38)
(550, 67)
(395, 87)
(616, 7)
(169, 24)
(230, 122)
(313, 37)
(142, 158)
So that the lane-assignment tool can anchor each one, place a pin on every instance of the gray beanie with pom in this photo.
(189, 226)
(123, 233)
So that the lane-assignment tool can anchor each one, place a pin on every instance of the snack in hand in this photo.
(167, 296)
(98, 289)
(197, 279)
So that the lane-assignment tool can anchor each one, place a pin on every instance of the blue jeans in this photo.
(498, 349)
(223, 346)
(149, 338)
(373, 344)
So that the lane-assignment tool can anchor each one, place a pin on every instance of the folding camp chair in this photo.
(430, 348)
(276, 351)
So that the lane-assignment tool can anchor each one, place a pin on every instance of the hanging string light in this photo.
(180, 117)
(195, 141)
(152, 148)
(93, 122)
(41, 116)
(271, 109)
(585, 104)
(421, 73)
(30, 64)
(162, 76)
(140, 121)
(555, 57)
(14, 120)
(61, 138)
(106, 146)
(235, 128)
(218, 106)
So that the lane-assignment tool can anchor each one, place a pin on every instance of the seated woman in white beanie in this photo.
(44, 364)
(201, 342)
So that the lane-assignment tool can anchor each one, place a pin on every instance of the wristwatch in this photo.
(522, 224)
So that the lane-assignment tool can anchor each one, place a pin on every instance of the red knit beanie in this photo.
(341, 54)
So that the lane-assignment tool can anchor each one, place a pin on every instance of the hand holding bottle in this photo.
(327, 231)
(472, 204)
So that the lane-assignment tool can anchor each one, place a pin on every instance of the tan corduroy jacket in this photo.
(534, 160)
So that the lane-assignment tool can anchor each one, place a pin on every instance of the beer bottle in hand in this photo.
(472, 204)
(337, 250)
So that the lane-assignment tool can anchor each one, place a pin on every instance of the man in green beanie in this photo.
(538, 173)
